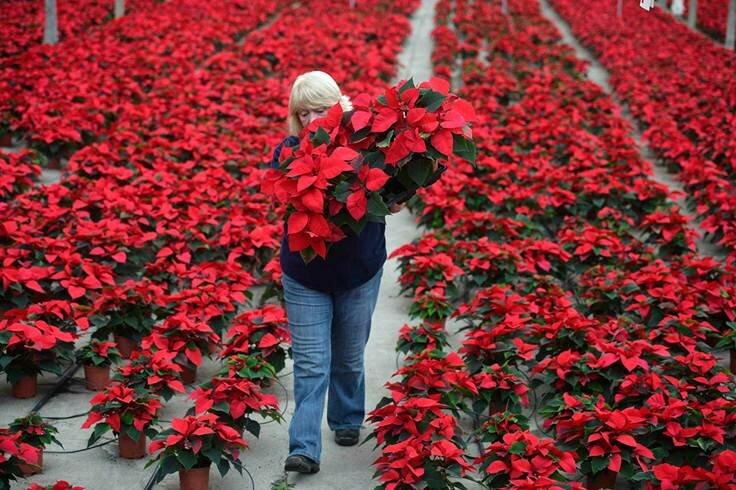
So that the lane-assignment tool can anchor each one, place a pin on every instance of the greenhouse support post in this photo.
(731, 26)
(119, 8)
(692, 14)
(50, 23)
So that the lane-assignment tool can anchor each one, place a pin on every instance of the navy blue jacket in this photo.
(350, 262)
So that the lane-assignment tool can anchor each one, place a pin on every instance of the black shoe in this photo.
(301, 464)
(347, 437)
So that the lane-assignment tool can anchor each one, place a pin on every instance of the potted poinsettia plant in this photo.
(608, 441)
(152, 371)
(39, 434)
(188, 338)
(262, 331)
(431, 304)
(233, 400)
(521, 456)
(421, 337)
(59, 485)
(500, 388)
(13, 454)
(27, 348)
(349, 166)
(249, 366)
(420, 443)
(191, 445)
(128, 312)
(128, 413)
(96, 358)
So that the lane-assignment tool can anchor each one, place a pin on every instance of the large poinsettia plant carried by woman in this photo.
(349, 166)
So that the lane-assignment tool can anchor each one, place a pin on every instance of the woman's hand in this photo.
(396, 207)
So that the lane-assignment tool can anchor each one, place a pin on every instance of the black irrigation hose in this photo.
(476, 426)
(286, 404)
(84, 449)
(252, 481)
(67, 417)
(62, 381)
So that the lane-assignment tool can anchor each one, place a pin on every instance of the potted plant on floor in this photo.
(39, 434)
(128, 313)
(153, 371)
(59, 485)
(14, 453)
(423, 337)
(27, 348)
(188, 338)
(263, 331)
(96, 358)
(191, 445)
(128, 413)
(431, 304)
(233, 400)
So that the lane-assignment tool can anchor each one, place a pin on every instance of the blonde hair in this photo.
(312, 90)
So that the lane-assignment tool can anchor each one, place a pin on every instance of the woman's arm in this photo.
(288, 141)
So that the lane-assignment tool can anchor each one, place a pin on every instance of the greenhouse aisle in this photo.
(351, 467)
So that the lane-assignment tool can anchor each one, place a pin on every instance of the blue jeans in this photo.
(329, 332)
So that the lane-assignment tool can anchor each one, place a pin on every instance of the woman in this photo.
(329, 305)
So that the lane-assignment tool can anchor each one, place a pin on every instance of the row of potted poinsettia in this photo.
(711, 17)
(575, 267)
(683, 104)
(22, 22)
(74, 114)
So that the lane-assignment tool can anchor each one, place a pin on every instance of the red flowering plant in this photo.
(263, 332)
(420, 443)
(500, 388)
(431, 303)
(249, 366)
(13, 453)
(435, 372)
(18, 172)
(183, 335)
(496, 320)
(98, 353)
(27, 348)
(604, 438)
(195, 442)
(128, 310)
(212, 291)
(521, 460)
(123, 410)
(59, 485)
(348, 166)
(153, 371)
(233, 400)
(34, 431)
(422, 337)
(720, 473)
(499, 423)
(426, 270)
